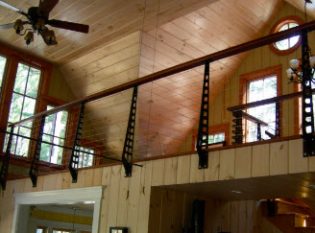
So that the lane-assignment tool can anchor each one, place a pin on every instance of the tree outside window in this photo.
(22, 106)
(54, 136)
(86, 156)
(261, 89)
(3, 62)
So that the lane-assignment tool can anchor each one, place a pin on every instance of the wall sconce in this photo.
(118, 230)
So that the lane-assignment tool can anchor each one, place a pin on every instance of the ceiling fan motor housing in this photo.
(36, 18)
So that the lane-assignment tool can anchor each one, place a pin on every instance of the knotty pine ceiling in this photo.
(130, 39)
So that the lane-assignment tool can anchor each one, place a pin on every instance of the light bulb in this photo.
(294, 64)
(289, 73)
(312, 61)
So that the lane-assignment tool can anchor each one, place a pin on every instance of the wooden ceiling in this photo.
(130, 39)
(297, 186)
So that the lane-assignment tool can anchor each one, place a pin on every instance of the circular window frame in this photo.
(275, 29)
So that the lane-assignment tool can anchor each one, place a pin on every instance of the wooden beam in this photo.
(183, 67)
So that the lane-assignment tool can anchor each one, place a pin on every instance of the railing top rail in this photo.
(254, 119)
(183, 67)
(267, 101)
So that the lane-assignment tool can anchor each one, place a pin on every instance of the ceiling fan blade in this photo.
(45, 6)
(7, 26)
(10, 7)
(69, 25)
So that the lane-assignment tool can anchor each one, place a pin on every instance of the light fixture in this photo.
(18, 26)
(295, 73)
(39, 28)
(29, 37)
(48, 36)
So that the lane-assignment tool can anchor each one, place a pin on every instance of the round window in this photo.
(289, 44)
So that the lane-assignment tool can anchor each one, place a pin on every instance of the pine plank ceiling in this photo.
(130, 39)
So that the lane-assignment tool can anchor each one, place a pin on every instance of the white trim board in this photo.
(64, 196)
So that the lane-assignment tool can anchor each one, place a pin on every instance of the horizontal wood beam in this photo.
(183, 67)
(253, 119)
(267, 101)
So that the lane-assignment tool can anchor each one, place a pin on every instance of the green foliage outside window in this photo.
(85, 156)
(23, 106)
(261, 89)
(216, 138)
(54, 133)
(3, 61)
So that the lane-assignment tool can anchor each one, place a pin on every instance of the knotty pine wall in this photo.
(259, 59)
(170, 211)
(126, 201)
(58, 88)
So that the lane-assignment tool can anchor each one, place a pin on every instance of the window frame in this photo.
(45, 101)
(14, 57)
(25, 97)
(256, 75)
(85, 146)
(215, 129)
(281, 22)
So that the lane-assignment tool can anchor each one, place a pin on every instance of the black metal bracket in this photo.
(6, 161)
(238, 127)
(307, 100)
(129, 139)
(33, 172)
(203, 134)
(74, 158)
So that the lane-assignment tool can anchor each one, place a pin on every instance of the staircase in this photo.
(289, 215)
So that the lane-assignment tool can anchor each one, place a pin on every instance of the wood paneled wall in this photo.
(58, 88)
(171, 211)
(259, 59)
(126, 201)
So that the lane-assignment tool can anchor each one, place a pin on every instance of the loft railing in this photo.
(240, 115)
(202, 145)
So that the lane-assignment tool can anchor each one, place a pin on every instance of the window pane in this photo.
(23, 106)
(289, 42)
(33, 82)
(86, 156)
(22, 144)
(45, 152)
(259, 90)
(215, 138)
(16, 108)
(282, 44)
(3, 62)
(28, 108)
(54, 132)
(21, 78)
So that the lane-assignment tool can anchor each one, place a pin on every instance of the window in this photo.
(218, 136)
(22, 106)
(85, 156)
(258, 86)
(62, 231)
(3, 62)
(54, 133)
(289, 44)
(41, 230)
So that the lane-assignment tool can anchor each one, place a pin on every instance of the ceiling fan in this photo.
(38, 18)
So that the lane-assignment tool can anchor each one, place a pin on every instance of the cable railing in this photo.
(84, 130)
